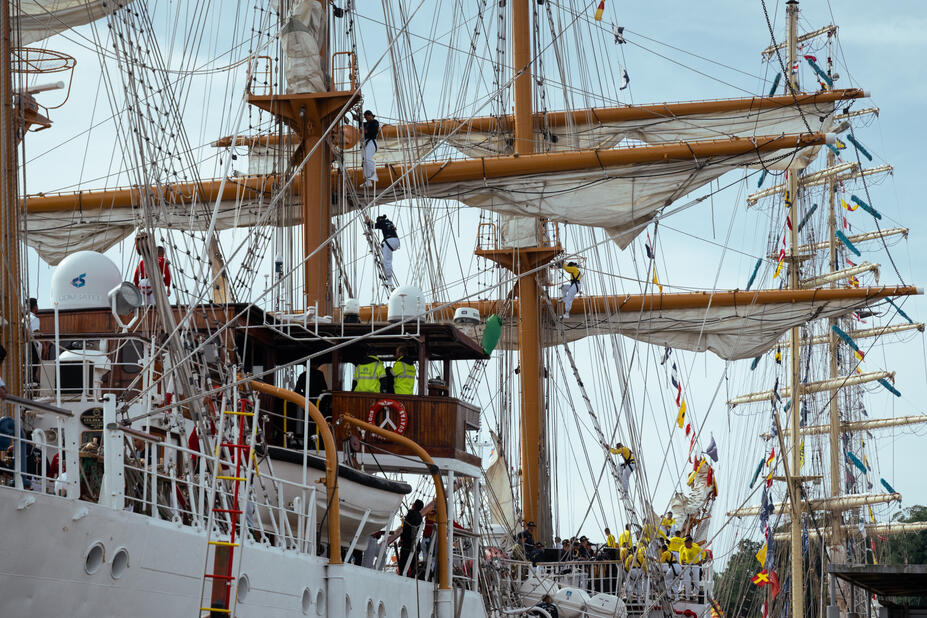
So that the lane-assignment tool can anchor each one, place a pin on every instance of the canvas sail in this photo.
(40, 19)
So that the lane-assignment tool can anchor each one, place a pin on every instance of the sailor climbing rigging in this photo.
(371, 131)
(390, 242)
(572, 287)
(626, 467)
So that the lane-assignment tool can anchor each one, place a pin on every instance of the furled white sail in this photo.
(40, 19)
(593, 135)
(621, 199)
(734, 332)
(302, 37)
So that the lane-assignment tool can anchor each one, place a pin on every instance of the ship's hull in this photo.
(47, 539)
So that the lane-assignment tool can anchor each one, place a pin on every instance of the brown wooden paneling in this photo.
(435, 423)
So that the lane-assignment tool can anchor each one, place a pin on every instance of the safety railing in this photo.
(261, 76)
(344, 71)
(691, 582)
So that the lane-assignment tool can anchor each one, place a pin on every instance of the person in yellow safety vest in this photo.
(609, 539)
(625, 468)
(675, 544)
(403, 373)
(571, 289)
(671, 569)
(690, 556)
(368, 373)
(668, 522)
(625, 538)
(635, 566)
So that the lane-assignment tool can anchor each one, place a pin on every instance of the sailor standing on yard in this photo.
(371, 132)
(627, 466)
(572, 288)
(390, 242)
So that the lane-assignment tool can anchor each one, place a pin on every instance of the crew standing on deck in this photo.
(371, 133)
(368, 373)
(403, 372)
(572, 288)
(390, 242)
(408, 540)
(626, 467)
(690, 556)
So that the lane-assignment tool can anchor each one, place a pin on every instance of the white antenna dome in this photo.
(404, 303)
(83, 281)
(467, 316)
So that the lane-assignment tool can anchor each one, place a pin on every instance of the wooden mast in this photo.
(795, 493)
(11, 306)
(533, 450)
(309, 115)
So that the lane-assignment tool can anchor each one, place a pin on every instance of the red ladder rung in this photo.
(217, 576)
(230, 445)
(235, 511)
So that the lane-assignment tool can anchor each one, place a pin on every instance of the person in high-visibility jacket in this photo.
(625, 538)
(627, 466)
(403, 373)
(635, 566)
(368, 373)
(690, 557)
(572, 287)
(609, 539)
(671, 570)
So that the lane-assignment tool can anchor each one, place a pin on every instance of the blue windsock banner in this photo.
(856, 462)
(887, 487)
(888, 386)
(824, 76)
(807, 216)
(900, 312)
(775, 85)
(756, 269)
(846, 241)
(762, 178)
(872, 211)
(859, 146)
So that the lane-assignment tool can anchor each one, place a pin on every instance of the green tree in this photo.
(734, 591)
(907, 549)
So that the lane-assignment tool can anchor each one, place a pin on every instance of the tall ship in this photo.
(346, 309)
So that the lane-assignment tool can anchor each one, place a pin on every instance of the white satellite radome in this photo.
(467, 316)
(404, 303)
(83, 281)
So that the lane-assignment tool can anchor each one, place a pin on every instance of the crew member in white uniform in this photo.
(572, 288)
(371, 132)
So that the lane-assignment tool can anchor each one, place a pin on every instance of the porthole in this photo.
(244, 587)
(404, 613)
(347, 605)
(94, 558)
(371, 609)
(306, 602)
(120, 562)
(320, 603)
(381, 610)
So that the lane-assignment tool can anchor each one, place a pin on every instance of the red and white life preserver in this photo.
(395, 418)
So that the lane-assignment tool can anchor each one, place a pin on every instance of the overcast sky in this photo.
(883, 49)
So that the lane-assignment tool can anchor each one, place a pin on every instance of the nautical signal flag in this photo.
(681, 418)
(761, 578)
(846, 206)
(761, 555)
(599, 11)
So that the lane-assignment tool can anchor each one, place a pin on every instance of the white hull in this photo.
(47, 538)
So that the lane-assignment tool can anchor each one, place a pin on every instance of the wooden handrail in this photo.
(331, 461)
(444, 580)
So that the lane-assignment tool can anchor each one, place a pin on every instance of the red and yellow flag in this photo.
(599, 11)
(761, 578)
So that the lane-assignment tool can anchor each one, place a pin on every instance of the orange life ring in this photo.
(390, 407)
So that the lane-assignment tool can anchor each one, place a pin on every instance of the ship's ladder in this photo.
(388, 283)
(657, 583)
(231, 486)
(468, 390)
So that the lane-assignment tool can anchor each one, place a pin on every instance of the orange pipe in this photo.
(444, 580)
(331, 462)
(591, 305)
(442, 171)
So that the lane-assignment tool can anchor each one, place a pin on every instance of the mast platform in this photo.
(305, 113)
